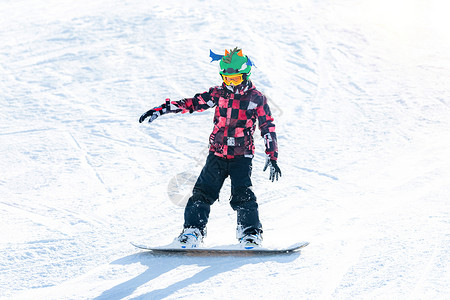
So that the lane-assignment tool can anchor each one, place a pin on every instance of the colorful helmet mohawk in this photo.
(233, 62)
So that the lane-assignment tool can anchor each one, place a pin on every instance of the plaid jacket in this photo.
(236, 113)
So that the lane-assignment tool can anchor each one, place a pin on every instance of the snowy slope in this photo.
(360, 92)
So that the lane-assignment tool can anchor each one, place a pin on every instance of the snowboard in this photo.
(223, 250)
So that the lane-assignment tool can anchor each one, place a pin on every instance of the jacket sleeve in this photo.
(199, 102)
(267, 128)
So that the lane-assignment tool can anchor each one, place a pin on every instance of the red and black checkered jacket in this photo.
(236, 113)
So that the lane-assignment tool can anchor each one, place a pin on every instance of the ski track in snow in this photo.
(360, 94)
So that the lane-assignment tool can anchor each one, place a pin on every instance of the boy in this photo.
(238, 105)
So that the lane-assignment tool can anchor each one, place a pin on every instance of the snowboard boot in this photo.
(249, 237)
(190, 238)
(250, 241)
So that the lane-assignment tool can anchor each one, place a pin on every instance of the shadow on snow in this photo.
(159, 264)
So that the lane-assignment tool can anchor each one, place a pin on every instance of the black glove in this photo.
(274, 169)
(155, 112)
(152, 114)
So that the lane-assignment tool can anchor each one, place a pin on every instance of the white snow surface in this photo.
(360, 92)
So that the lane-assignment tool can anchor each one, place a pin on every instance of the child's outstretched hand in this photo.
(152, 114)
(155, 112)
(275, 171)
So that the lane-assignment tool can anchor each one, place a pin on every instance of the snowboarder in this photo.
(238, 106)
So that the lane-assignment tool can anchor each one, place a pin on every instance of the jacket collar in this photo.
(239, 89)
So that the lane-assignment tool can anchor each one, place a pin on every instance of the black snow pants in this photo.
(207, 188)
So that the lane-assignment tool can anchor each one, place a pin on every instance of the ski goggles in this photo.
(233, 79)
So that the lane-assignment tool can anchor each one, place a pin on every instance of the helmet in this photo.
(233, 63)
